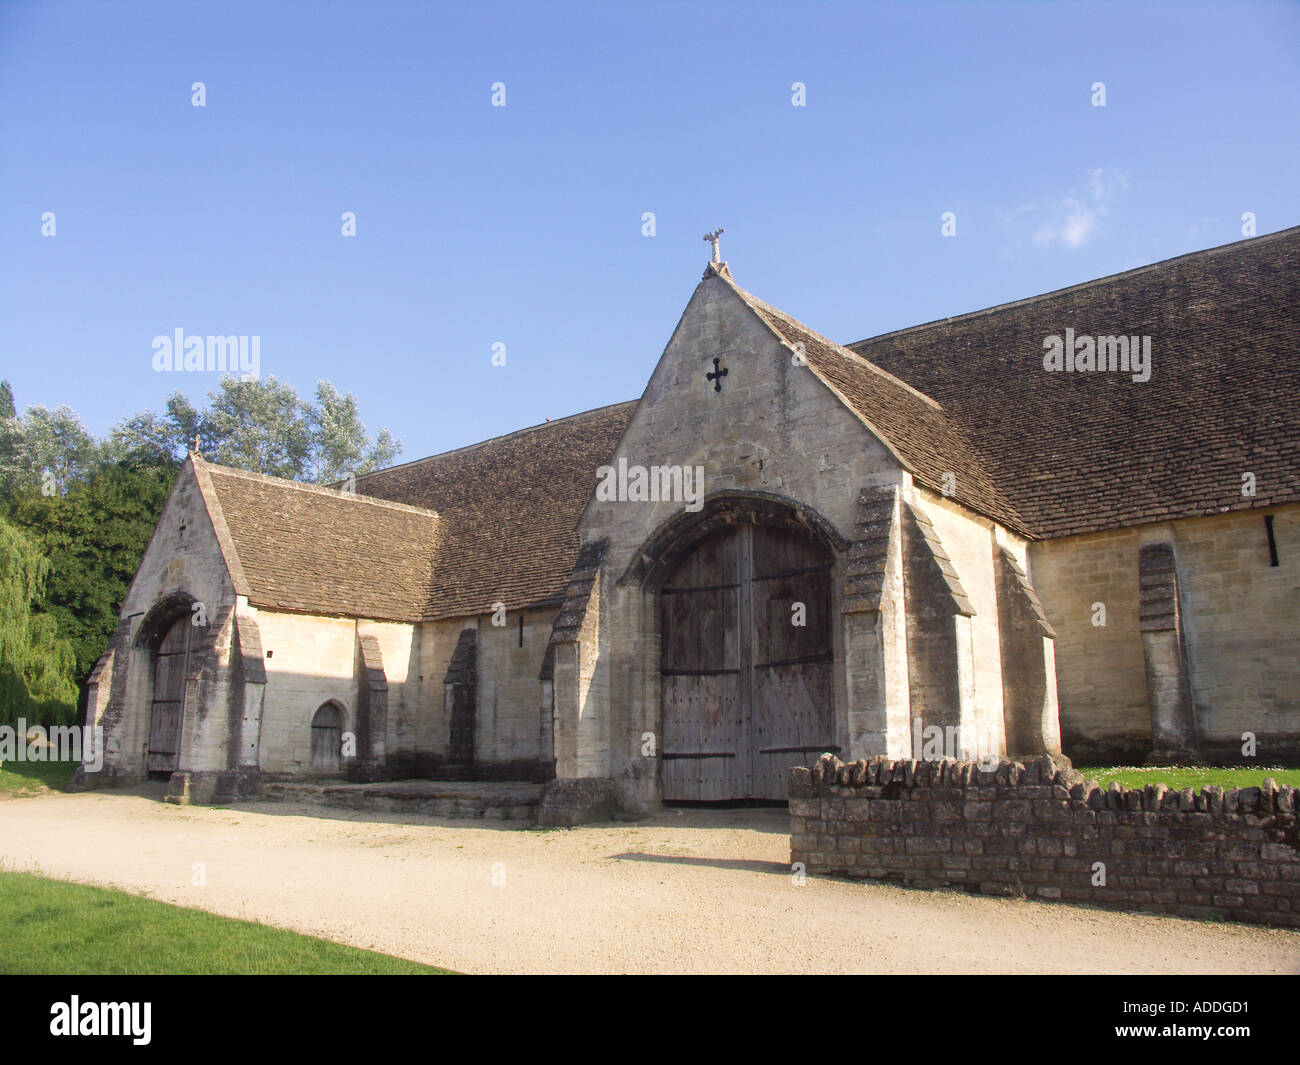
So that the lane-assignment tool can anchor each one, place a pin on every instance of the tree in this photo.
(36, 665)
(11, 442)
(55, 442)
(91, 531)
(339, 442)
(44, 443)
(93, 537)
(260, 425)
(150, 439)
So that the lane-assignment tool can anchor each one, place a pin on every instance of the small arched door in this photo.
(745, 664)
(171, 664)
(326, 739)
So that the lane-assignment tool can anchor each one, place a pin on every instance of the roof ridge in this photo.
(962, 437)
(1218, 249)
(502, 436)
(762, 306)
(315, 489)
(217, 519)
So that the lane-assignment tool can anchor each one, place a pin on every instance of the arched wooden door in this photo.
(170, 667)
(326, 739)
(745, 664)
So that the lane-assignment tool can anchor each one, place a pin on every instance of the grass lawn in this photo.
(1194, 777)
(33, 778)
(51, 926)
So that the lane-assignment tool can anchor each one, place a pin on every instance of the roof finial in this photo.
(196, 443)
(713, 239)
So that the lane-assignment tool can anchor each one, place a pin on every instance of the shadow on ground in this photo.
(745, 865)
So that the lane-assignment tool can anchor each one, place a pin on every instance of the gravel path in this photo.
(690, 892)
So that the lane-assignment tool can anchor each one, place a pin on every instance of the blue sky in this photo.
(522, 225)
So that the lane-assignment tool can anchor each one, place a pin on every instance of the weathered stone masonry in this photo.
(1132, 604)
(1040, 830)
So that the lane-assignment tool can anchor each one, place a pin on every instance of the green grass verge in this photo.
(52, 926)
(1195, 777)
(34, 778)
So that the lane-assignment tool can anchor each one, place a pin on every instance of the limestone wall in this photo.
(311, 661)
(1043, 831)
(428, 727)
(1100, 670)
(1242, 626)
(508, 726)
(182, 556)
(773, 428)
(181, 559)
(1240, 616)
(509, 691)
(968, 541)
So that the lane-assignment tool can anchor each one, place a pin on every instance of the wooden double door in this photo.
(745, 664)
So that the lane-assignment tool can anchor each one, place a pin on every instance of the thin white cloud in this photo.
(1070, 221)
(1104, 183)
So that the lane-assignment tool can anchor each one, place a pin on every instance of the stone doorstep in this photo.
(498, 800)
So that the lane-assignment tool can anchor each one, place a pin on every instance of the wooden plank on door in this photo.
(746, 689)
(164, 730)
(700, 671)
(167, 710)
(742, 776)
(793, 711)
(679, 773)
(794, 723)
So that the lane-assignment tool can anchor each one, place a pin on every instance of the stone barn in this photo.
(1068, 522)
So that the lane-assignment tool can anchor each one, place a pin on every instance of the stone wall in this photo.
(312, 660)
(1100, 668)
(773, 429)
(1043, 831)
(777, 434)
(182, 561)
(508, 732)
(969, 541)
(1239, 615)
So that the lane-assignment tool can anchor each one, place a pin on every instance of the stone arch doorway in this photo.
(327, 738)
(746, 660)
(171, 640)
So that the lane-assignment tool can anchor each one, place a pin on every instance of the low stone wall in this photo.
(1043, 831)
(578, 801)
(452, 799)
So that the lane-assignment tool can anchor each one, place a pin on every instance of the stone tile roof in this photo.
(1087, 451)
(509, 510)
(304, 549)
(1045, 454)
(924, 437)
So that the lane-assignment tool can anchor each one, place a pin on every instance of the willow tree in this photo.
(37, 666)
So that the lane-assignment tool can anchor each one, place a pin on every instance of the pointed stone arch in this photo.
(167, 636)
(746, 636)
(675, 538)
(160, 618)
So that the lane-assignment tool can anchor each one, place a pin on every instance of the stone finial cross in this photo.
(712, 238)
(196, 443)
(717, 375)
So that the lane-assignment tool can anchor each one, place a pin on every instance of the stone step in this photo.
(452, 772)
(504, 800)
